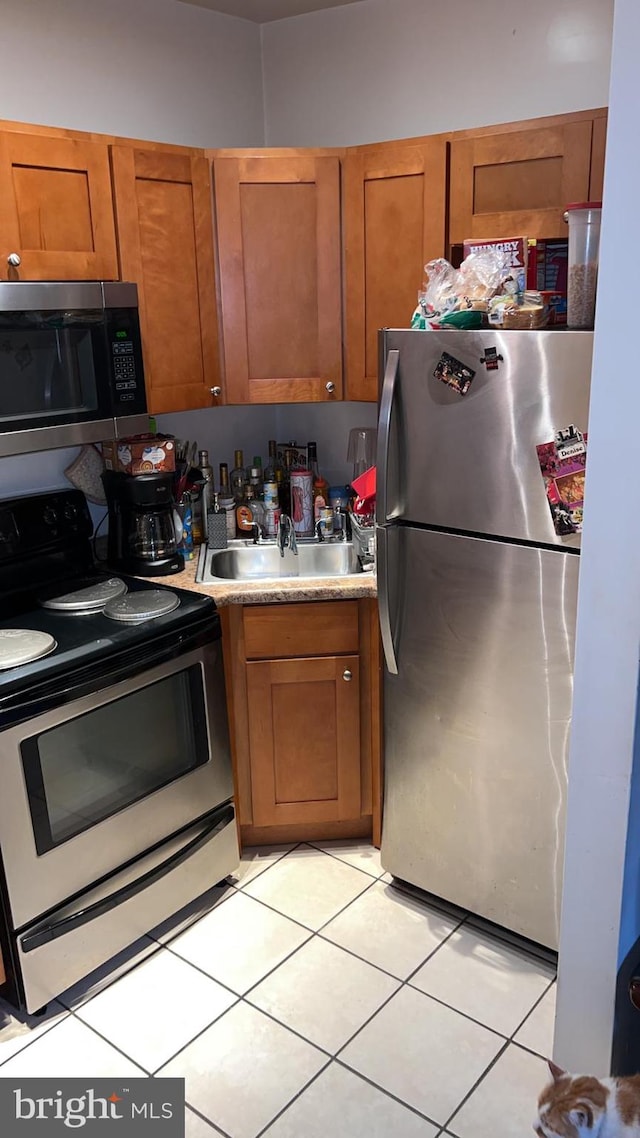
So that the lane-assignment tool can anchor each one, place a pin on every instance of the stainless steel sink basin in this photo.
(244, 562)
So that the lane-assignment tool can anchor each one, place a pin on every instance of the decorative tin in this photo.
(302, 502)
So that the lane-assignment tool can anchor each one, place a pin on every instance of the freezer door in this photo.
(477, 725)
(469, 462)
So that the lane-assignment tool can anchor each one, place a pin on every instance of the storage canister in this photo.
(302, 502)
(584, 244)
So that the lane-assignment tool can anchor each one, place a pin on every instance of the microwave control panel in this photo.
(124, 369)
(127, 377)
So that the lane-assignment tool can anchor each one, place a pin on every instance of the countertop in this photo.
(273, 592)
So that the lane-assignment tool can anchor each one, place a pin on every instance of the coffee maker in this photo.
(142, 533)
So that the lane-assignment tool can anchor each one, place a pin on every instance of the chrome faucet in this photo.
(286, 535)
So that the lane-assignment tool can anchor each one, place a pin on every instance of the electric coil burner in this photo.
(116, 804)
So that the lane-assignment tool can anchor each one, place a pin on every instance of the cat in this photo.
(581, 1106)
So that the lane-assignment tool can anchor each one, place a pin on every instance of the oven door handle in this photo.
(217, 821)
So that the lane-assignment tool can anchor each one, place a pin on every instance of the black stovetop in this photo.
(36, 563)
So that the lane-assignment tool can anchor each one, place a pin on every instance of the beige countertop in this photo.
(273, 592)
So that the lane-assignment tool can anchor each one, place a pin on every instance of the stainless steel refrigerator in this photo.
(477, 597)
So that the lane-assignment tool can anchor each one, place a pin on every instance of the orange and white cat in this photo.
(581, 1106)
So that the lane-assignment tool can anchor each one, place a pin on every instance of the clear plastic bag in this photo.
(459, 298)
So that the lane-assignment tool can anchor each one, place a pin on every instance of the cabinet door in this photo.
(304, 739)
(278, 222)
(165, 237)
(598, 148)
(515, 183)
(56, 211)
(394, 217)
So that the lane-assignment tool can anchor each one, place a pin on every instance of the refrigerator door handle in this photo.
(386, 632)
(384, 430)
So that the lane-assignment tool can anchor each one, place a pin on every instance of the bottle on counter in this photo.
(244, 512)
(320, 484)
(225, 491)
(284, 491)
(274, 471)
(255, 480)
(238, 478)
(227, 502)
(206, 496)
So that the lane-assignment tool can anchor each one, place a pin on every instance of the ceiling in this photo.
(263, 11)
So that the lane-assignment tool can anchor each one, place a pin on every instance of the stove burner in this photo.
(134, 608)
(90, 599)
(23, 645)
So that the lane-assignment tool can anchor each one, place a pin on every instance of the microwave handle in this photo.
(216, 821)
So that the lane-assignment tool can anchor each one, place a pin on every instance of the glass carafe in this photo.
(153, 534)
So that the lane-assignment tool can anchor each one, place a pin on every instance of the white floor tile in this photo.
(361, 855)
(153, 1011)
(196, 1127)
(109, 972)
(423, 1053)
(309, 886)
(70, 1050)
(240, 942)
(537, 1031)
(17, 1030)
(491, 982)
(504, 1103)
(323, 993)
(390, 929)
(243, 1070)
(342, 1105)
(254, 861)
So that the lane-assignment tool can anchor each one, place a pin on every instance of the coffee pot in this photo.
(142, 532)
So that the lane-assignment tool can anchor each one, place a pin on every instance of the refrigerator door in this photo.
(469, 462)
(477, 725)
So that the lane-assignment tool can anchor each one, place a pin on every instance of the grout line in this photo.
(215, 1129)
(193, 1038)
(477, 1083)
(388, 1093)
(337, 857)
(41, 1035)
(113, 1045)
(298, 1094)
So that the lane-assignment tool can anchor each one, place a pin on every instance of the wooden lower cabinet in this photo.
(304, 727)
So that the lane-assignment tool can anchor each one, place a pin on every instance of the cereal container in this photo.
(584, 243)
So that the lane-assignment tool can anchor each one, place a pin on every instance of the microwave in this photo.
(70, 364)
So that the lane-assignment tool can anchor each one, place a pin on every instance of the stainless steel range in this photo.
(115, 776)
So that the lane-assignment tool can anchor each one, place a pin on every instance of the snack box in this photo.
(547, 268)
(141, 454)
(556, 303)
(516, 247)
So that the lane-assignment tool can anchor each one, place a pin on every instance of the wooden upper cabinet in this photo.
(56, 209)
(598, 146)
(165, 239)
(278, 227)
(394, 219)
(518, 182)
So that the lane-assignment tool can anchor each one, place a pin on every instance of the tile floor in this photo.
(312, 999)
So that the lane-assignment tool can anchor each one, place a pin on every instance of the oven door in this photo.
(101, 780)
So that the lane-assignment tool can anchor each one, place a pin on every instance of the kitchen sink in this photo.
(263, 562)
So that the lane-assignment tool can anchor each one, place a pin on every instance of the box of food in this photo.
(140, 454)
(515, 247)
(548, 261)
(298, 455)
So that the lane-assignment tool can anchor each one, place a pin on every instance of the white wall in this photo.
(223, 429)
(394, 68)
(150, 69)
(601, 765)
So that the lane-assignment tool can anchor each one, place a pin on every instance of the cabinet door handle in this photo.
(216, 391)
(330, 387)
(347, 675)
(14, 259)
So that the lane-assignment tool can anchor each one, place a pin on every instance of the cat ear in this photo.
(556, 1071)
(581, 1116)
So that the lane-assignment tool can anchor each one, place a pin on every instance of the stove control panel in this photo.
(42, 521)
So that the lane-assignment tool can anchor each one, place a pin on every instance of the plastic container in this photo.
(582, 277)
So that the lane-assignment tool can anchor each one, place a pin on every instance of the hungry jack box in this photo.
(516, 247)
